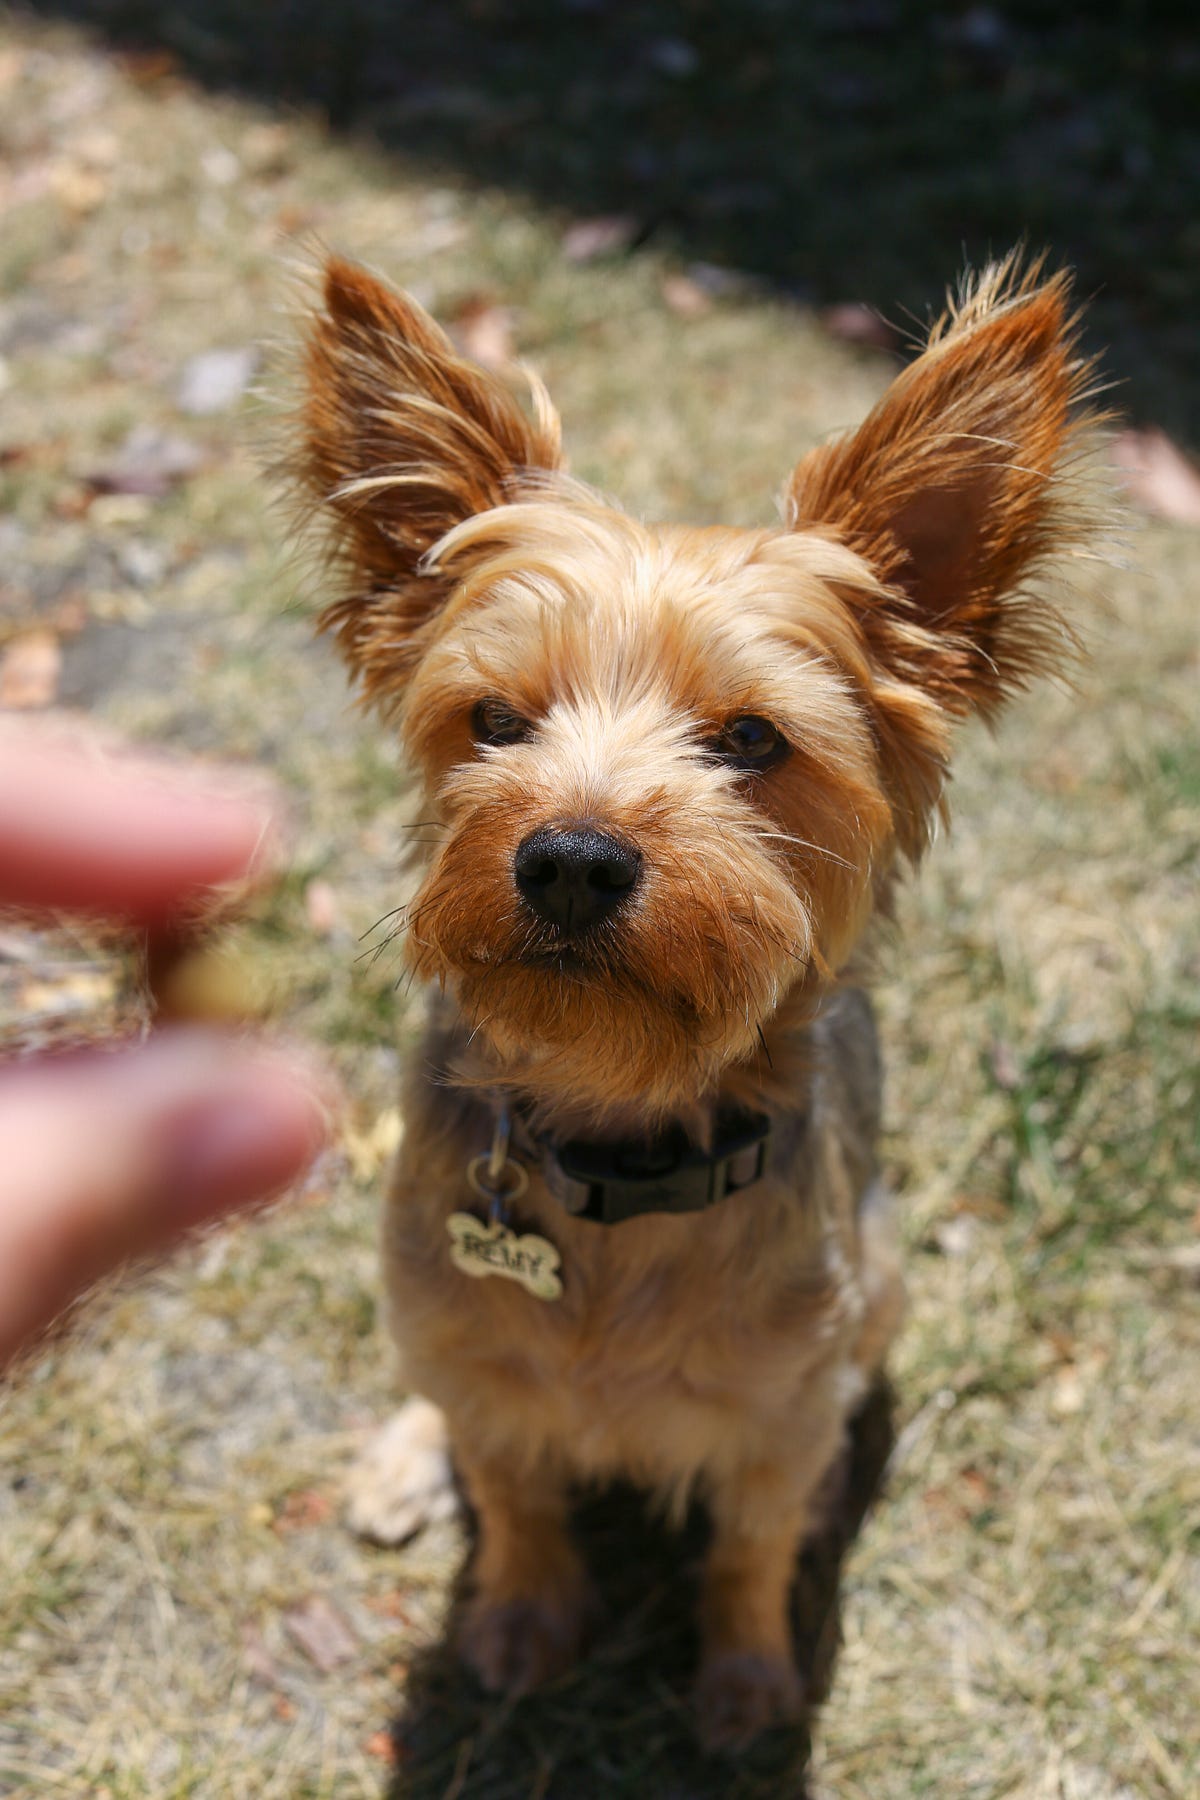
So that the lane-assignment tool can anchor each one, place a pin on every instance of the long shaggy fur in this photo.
(725, 1351)
(402, 439)
(958, 488)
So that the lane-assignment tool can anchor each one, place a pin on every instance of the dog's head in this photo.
(673, 768)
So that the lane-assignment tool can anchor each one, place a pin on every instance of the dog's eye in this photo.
(751, 743)
(495, 722)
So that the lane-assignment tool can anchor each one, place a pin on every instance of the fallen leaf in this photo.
(215, 380)
(29, 671)
(150, 462)
(855, 323)
(982, 1206)
(484, 331)
(257, 1660)
(148, 66)
(977, 1488)
(391, 1606)
(73, 503)
(321, 908)
(292, 219)
(1158, 477)
(940, 1501)
(603, 236)
(303, 1508)
(321, 1633)
(685, 297)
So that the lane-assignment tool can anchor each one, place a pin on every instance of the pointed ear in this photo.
(401, 439)
(956, 490)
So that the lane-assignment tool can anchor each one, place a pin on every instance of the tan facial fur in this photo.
(627, 649)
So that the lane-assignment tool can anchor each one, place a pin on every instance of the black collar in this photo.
(608, 1183)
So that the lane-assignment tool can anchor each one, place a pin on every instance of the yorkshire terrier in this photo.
(636, 1227)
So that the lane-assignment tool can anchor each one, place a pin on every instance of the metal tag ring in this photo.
(512, 1183)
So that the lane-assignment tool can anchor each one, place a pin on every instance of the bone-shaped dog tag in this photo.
(479, 1247)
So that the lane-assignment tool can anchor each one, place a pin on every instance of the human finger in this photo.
(112, 1154)
(87, 829)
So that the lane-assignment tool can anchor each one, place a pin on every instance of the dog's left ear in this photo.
(400, 439)
(956, 489)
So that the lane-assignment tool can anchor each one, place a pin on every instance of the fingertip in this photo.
(254, 1132)
(86, 828)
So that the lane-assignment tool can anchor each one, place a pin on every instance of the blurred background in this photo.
(714, 231)
(841, 150)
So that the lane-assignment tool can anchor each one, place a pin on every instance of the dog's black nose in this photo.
(575, 876)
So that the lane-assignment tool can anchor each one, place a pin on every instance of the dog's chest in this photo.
(669, 1334)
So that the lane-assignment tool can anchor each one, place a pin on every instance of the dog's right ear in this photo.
(401, 439)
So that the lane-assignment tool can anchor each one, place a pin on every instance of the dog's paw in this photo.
(517, 1645)
(743, 1692)
(403, 1480)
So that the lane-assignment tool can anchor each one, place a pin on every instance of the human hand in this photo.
(111, 1153)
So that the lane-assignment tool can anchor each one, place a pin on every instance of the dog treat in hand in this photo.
(195, 976)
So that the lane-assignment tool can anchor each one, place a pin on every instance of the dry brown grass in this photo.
(1019, 1616)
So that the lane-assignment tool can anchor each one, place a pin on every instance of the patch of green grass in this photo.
(1102, 1147)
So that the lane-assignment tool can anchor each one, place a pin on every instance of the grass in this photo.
(1017, 1615)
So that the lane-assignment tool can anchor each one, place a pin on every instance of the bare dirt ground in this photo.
(181, 1613)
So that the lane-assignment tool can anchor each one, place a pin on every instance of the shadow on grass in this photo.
(621, 1725)
(839, 149)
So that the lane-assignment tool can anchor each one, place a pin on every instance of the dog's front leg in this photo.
(532, 1596)
(760, 1516)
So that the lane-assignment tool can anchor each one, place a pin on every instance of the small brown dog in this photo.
(635, 1228)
